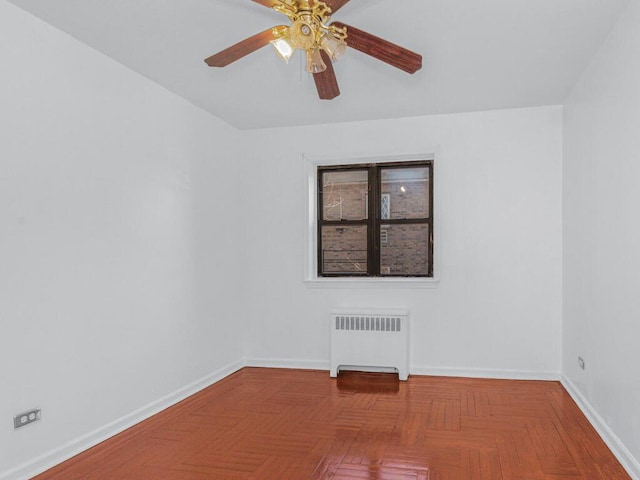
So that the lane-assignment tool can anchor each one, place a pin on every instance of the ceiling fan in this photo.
(323, 43)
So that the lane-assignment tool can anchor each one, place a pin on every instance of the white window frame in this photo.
(311, 277)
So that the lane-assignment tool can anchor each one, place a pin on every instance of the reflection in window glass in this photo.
(407, 190)
(344, 195)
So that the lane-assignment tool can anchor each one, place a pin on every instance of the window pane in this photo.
(344, 249)
(344, 195)
(405, 251)
(408, 192)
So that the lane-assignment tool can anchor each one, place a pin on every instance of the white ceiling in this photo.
(477, 54)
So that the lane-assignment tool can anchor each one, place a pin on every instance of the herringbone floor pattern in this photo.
(269, 424)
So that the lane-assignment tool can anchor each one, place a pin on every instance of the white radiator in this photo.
(370, 340)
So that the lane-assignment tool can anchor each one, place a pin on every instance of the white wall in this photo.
(116, 279)
(122, 262)
(602, 233)
(497, 308)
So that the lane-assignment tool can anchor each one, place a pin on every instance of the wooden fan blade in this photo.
(326, 81)
(243, 48)
(381, 49)
(336, 5)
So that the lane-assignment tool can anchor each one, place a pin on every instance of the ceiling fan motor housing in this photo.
(302, 33)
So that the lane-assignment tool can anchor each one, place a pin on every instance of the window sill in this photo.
(378, 282)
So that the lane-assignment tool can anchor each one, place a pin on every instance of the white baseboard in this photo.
(286, 363)
(486, 373)
(438, 372)
(622, 453)
(65, 452)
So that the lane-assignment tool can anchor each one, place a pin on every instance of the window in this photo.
(375, 220)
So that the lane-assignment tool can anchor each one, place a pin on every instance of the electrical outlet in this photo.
(26, 418)
(581, 362)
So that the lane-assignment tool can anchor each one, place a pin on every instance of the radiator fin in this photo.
(369, 323)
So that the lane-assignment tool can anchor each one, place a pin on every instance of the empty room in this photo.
(313, 240)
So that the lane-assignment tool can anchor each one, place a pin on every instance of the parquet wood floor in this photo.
(270, 424)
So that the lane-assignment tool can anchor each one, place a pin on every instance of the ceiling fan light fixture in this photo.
(334, 47)
(283, 48)
(315, 64)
